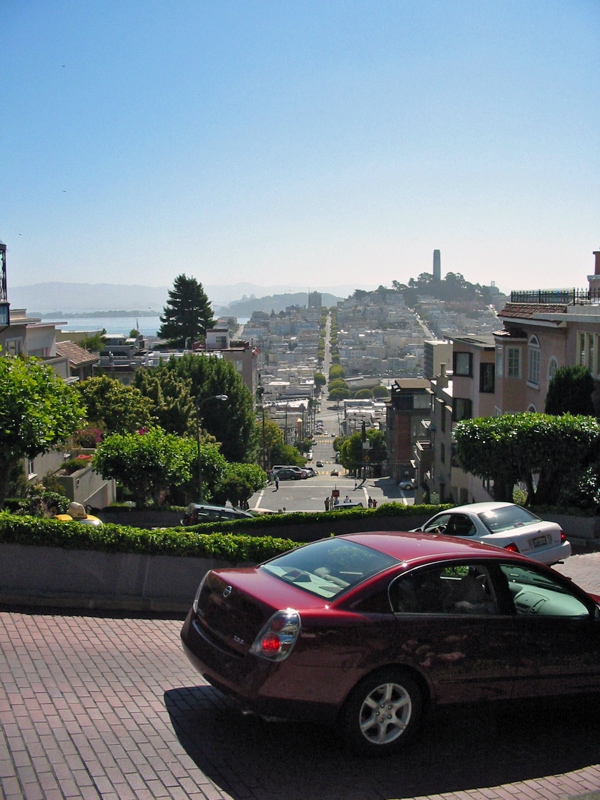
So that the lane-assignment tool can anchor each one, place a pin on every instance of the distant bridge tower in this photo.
(437, 266)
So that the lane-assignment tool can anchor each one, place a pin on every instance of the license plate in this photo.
(539, 541)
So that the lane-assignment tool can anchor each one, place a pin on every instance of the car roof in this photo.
(407, 546)
(478, 508)
(218, 508)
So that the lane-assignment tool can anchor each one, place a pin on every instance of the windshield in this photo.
(506, 518)
(330, 567)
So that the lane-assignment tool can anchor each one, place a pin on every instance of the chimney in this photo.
(594, 280)
(442, 379)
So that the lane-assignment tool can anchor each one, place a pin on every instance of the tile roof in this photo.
(77, 355)
(530, 310)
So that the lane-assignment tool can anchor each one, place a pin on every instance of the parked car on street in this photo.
(196, 513)
(504, 525)
(345, 506)
(288, 474)
(366, 631)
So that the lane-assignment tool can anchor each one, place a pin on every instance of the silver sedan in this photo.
(505, 525)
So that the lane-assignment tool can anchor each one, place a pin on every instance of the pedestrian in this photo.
(276, 482)
(346, 499)
(374, 503)
(370, 503)
(326, 504)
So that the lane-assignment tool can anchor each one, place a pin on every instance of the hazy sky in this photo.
(317, 142)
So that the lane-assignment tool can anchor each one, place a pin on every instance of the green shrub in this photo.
(123, 539)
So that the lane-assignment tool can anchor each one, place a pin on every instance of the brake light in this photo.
(512, 548)
(278, 637)
(563, 537)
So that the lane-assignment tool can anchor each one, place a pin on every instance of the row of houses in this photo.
(472, 376)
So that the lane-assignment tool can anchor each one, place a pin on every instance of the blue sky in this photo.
(317, 143)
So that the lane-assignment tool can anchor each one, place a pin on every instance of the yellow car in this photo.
(77, 513)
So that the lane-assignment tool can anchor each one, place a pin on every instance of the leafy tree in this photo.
(239, 483)
(522, 447)
(93, 343)
(149, 464)
(275, 449)
(320, 379)
(363, 394)
(570, 391)
(172, 403)
(381, 391)
(340, 394)
(231, 422)
(114, 407)
(38, 412)
(336, 371)
(188, 313)
(352, 454)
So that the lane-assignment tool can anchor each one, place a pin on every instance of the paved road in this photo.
(101, 707)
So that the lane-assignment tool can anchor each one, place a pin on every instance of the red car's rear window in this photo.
(329, 567)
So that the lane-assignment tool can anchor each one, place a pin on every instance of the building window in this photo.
(443, 453)
(499, 361)
(533, 361)
(462, 408)
(487, 378)
(421, 401)
(582, 359)
(463, 364)
(13, 347)
(514, 363)
(453, 459)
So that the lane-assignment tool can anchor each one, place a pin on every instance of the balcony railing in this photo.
(572, 297)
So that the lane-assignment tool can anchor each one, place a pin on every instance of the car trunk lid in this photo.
(234, 605)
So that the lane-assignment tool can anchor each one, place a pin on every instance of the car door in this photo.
(451, 626)
(437, 524)
(558, 633)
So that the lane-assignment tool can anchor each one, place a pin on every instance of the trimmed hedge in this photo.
(223, 540)
(122, 539)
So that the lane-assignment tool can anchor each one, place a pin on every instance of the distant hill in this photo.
(274, 302)
(82, 297)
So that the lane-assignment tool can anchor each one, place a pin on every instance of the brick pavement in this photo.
(104, 707)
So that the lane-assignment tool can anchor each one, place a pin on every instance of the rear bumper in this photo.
(255, 684)
(551, 555)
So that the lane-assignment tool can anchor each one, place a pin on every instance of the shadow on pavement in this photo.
(461, 748)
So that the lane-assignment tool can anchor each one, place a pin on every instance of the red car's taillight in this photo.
(563, 537)
(278, 637)
(512, 548)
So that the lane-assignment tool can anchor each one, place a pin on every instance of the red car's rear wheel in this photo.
(382, 712)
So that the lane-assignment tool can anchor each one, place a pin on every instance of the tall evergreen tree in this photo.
(187, 315)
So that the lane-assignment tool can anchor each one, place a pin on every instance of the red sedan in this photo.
(364, 631)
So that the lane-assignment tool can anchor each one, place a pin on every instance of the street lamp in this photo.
(199, 405)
